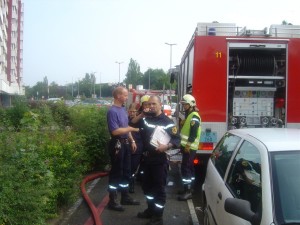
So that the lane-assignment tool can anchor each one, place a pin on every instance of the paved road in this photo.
(176, 212)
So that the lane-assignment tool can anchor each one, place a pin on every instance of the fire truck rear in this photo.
(242, 78)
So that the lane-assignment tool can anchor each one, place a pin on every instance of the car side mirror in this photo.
(240, 208)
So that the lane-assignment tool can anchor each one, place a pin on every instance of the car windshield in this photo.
(286, 183)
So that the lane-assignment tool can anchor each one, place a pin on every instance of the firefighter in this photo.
(190, 138)
(143, 109)
(119, 151)
(155, 160)
(136, 155)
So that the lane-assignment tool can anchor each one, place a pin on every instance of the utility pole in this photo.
(171, 45)
(119, 70)
(78, 89)
(94, 81)
(72, 88)
(100, 87)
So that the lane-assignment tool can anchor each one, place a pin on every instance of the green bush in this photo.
(16, 113)
(39, 173)
(4, 120)
(25, 182)
(43, 160)
(90, 121)
(60, 113)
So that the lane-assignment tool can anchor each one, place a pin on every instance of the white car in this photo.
(253, 178)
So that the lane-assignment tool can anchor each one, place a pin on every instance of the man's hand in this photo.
(133, 129)
(133, 147)
(161, 147)
(187, 147)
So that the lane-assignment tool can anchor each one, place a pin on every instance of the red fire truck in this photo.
(242, 78)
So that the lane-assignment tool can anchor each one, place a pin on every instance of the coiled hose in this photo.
(87, 198)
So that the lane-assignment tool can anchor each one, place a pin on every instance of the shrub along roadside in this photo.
(44, 158)
(39, 173)
(90, 121)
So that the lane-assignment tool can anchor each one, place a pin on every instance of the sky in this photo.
(65, 39)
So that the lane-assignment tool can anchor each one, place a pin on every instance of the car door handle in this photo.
(220, 195)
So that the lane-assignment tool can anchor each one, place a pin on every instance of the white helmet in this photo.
(188, 99)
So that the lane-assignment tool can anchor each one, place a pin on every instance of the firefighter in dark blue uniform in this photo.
(136, 156)
(155, 160)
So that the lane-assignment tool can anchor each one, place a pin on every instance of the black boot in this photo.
(113, 204)
(127, 200)
(187, 194)
(156, 220)
(147, 213)
(180, 192)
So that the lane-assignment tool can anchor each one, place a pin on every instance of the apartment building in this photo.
(11, 50)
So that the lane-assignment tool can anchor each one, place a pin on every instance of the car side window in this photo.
(223, 152)
(244, 178)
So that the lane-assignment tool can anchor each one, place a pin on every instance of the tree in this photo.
(284, 22)
(158, 78)
(133, 75)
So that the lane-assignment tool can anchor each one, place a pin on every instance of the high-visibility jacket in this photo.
(185, 131)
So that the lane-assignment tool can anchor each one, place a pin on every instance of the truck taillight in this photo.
(196, 161)
(206, 146)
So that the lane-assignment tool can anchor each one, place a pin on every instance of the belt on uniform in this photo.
(122, 140)
(151, 153)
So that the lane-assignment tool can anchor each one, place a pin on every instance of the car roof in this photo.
(275, 139)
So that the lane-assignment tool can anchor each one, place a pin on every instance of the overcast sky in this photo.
(64, 39)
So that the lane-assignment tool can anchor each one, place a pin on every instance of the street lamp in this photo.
(119, 70)
(72, 87)
(100, 87)
(78, 89)
(66, 89)
(170, 53)
(94, 81)
(171, 45)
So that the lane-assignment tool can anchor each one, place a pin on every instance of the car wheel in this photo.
(205, 215)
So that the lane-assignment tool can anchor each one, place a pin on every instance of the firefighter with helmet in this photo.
(190, 138)
(136, 157)
(143, 109)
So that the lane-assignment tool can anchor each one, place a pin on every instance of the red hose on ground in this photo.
(87, 198)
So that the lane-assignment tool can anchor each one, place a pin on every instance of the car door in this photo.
(243, 181)
(216, 170)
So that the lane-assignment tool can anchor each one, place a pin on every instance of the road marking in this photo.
(193, 212)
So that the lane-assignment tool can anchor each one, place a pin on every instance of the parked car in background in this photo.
(54, 100)
(97, 102)
(253, 178)
(103, 102)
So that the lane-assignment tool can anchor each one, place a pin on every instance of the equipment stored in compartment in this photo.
(241, 77)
